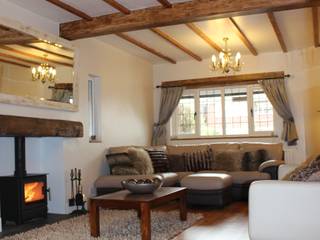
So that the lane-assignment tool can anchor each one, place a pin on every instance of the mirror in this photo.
(36, 69)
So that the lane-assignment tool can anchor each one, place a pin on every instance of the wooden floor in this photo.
(230, 223)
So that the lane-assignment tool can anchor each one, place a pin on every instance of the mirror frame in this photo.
(34, 102)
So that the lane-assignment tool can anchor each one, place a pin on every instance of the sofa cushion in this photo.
(242, 177)
(198, 160)
(252, 160)
(115, 159)
(159, 160)
(225, 146)
(228, 160)
(176, 163)
(181, 149)
(275, 150)
(306, 170)
(141, 160)
(207, 181)
(124, 170)
(113, 181)
(183, 174)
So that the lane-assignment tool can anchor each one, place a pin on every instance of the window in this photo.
(94, 109)
(225, 111)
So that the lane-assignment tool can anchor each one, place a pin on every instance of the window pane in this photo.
(185, 120)
(262, 111)
(210, 113)
(236, 111)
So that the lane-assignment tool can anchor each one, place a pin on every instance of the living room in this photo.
(122, 61)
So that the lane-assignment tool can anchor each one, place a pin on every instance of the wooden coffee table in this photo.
(143, 203)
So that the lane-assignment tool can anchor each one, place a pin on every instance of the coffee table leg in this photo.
(183, 207)
(94, 219)
(145, 221)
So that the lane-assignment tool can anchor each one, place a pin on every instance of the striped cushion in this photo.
(159, 160)
(199, 160)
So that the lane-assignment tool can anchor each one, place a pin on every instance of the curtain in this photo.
(276, 92)
(169, 101)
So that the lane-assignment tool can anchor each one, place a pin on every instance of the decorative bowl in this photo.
(142, 186)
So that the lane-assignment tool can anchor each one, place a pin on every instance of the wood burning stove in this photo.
(23, 196)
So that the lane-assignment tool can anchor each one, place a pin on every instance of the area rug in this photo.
(114, 225)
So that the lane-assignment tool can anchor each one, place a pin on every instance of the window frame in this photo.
(197, 135)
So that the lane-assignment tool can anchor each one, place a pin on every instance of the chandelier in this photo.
(44, 72)
(226, 61)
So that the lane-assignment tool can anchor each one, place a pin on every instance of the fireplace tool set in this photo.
(77, 196)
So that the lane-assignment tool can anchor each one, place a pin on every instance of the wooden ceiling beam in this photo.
(118, 6)
(16, 51)
(19, 59)
(165, 3)
(315, 20)
(175, 43)
(145, 47)
(47, 51)
(277, 31)
(70, 9)
(204, 36)
(14, 63)
(179, 13)
(243, 37)
(160, 33)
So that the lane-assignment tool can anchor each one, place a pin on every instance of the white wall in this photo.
(303, 65)
(127, 115)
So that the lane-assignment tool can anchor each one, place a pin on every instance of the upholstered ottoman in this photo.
(209, 189)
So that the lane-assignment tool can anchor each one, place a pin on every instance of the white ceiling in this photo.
(295, 25)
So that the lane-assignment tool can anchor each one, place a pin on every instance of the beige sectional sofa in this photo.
(241, 180)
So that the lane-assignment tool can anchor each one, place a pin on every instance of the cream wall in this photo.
(303, 90)
(127, 117)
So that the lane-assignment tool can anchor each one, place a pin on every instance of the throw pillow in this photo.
(124, 170)
(252, 160)
(141, 160)
(307, 171)
(198, 160)
(159, 160)
(228, 161)
(176, 163)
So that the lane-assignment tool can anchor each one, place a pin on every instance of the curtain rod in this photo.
(285, 76)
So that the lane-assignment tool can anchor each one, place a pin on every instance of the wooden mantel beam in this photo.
(277, 31)
(14, 126)
(179, 13)
(315, 20)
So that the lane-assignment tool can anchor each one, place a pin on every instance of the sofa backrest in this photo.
(275, 150)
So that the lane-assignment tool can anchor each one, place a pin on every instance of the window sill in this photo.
(95, 141)
(218, 138)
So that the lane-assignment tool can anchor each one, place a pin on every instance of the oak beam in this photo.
(118, 6)
(12, 50)
(179, 13)
(70, 9)
(18, 59)
(176, 43)
(244, 38)
(224, 80)
(145, 47)
(277, 31)
(165, 3)
(14, 63)
(14, 126)
(47, 51)
(204, 36)
(315, 20)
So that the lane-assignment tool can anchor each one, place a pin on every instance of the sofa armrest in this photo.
(271, 167)
(284, 210)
